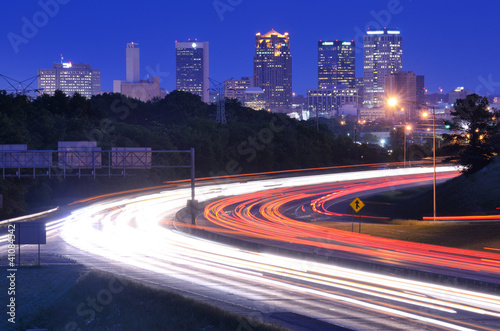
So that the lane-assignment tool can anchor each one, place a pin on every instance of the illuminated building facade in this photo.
(330, 100)
(272, 69)
(70, 78)
(383, 54)
(336, 63)
(191, 68)
(408, 87)
(254, 98)
(235, 88)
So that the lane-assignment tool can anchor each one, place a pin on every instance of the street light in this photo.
(433, 155)
(394, 102)
(405, 128)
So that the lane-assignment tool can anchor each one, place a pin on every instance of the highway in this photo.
(137, 236)
(281, 214)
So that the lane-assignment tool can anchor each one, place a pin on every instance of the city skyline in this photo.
(448, 51)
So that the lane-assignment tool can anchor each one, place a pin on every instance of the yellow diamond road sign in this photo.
(357, 204)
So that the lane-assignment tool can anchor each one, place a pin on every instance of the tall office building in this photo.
(405, 86)
(383, 50)
(336, 63)
(272, 69)
(134, 86)
(191, 68)
(133, 62)
(70, 78)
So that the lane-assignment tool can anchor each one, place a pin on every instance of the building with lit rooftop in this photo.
(191, 68)
(70, 78)
(336, 63)
(383, 55)
(272, 69)
(458, 93)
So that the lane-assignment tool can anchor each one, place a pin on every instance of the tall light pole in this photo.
(404, 135)
(434, 158)
(406, 128)
(394, 102)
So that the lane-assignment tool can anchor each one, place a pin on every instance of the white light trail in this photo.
(131, 231)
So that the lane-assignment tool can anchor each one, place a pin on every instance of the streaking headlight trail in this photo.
(139, 232)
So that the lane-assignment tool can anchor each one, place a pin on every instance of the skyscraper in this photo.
(191, 68)
(408, 87)
(133, 86)
(133, 62)
(70, 78)
(272, 69)
(336, 63)
(383, 50)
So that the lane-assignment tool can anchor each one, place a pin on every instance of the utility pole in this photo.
(21, 86)
(220, 101)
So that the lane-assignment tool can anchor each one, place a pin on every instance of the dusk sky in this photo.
(451, 43)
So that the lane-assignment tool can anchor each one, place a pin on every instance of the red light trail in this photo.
(260, 215)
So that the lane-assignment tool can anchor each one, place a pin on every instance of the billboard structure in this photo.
(131, 157)
(85, 159)
(18, 156)
(79, 154)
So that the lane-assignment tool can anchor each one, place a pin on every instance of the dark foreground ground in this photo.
(63, 295)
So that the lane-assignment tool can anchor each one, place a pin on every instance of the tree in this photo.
(476, 132)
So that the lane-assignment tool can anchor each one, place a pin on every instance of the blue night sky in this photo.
(452, 43)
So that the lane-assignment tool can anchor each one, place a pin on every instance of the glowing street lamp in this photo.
(394, 102)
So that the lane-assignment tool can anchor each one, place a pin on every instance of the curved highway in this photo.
(279, 215)
(136, 236)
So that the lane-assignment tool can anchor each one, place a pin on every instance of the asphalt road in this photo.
(135, 236)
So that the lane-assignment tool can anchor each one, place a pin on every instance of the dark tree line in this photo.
(251, 141)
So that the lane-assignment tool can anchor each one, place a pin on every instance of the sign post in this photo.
(357, 205)
(33, 233)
